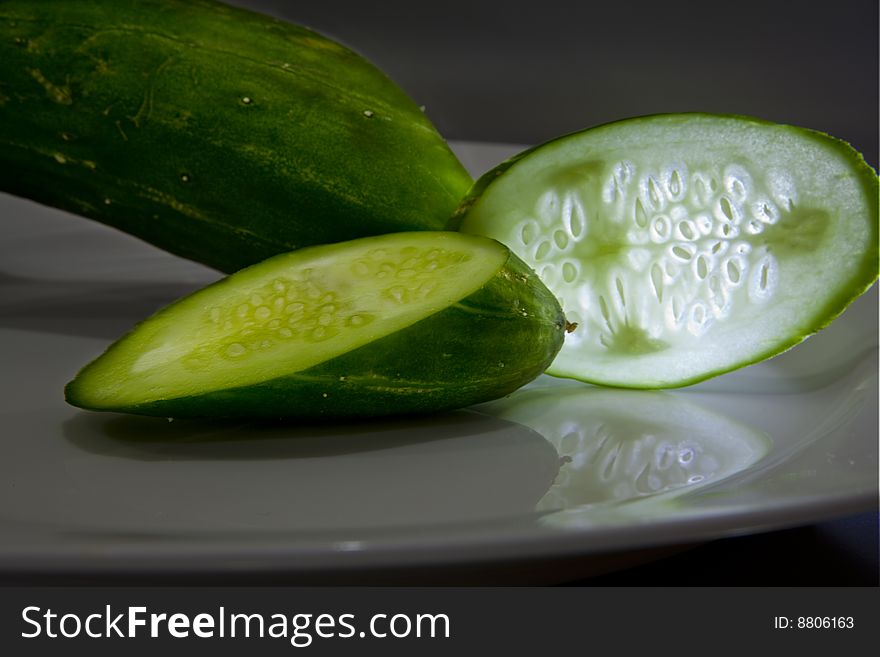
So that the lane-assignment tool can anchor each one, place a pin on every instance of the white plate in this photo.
(559, 469)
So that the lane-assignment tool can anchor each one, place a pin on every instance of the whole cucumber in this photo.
(219, 134)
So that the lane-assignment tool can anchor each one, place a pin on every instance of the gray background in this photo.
(524, 72)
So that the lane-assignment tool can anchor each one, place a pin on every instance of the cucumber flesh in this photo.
(685, 246)
(399, 323)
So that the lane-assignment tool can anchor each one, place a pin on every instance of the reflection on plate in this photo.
(620, 446)
(556, 470)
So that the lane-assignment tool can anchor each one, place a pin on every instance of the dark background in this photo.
(524, 72)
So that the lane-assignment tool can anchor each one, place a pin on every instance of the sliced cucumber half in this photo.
(685, 245)
(400, 323)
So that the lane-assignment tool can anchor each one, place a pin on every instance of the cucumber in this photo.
(216, 133)
(685, 245)
(402, 323)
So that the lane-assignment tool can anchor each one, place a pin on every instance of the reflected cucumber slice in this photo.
(620, 446)
(685, 245)
(401, 323)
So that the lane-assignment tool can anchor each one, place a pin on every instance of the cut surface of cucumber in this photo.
(687, 245)
(392, 324)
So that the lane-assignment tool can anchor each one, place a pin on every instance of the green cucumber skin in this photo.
(481, 348)
(868, 267)
(221, 135)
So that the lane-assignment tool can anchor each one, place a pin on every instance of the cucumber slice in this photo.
(401, 323)
(685, 245)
